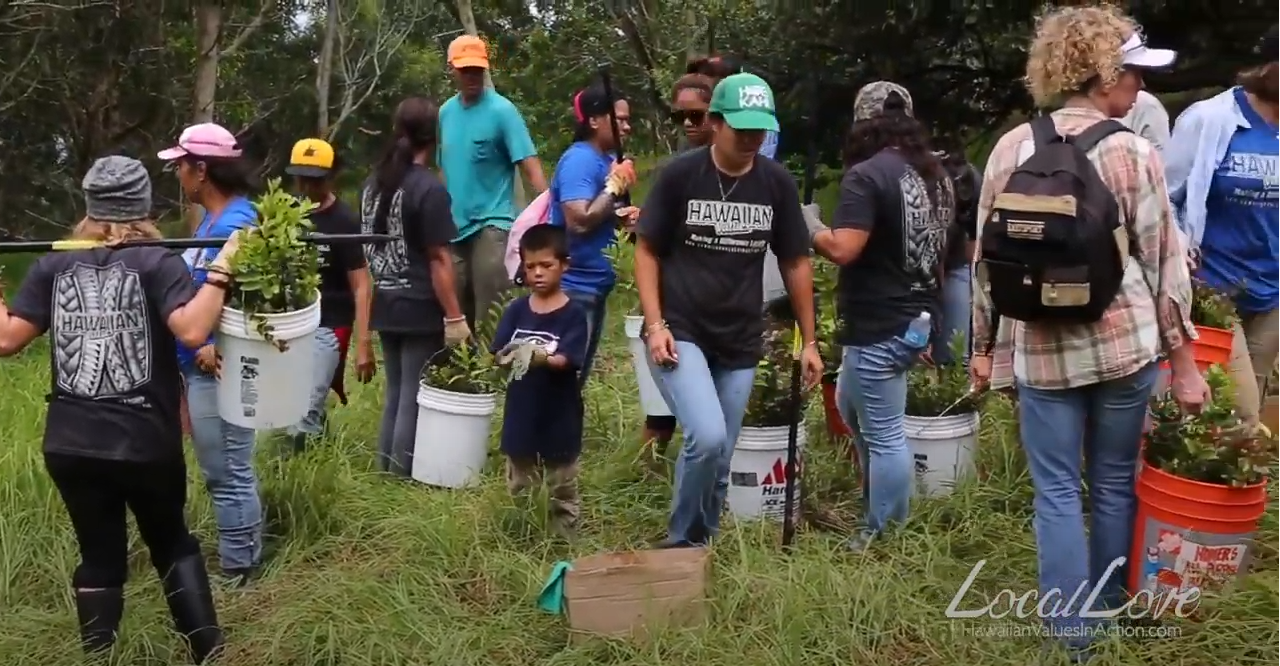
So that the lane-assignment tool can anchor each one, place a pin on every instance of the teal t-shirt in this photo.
(480, 144)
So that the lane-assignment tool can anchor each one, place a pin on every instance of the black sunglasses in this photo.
(679, 116)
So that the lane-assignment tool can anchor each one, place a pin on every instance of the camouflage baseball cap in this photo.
(870, 100)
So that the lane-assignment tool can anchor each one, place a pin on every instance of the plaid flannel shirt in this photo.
(1152, 311)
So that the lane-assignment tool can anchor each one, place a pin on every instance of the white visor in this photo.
(1136, 54)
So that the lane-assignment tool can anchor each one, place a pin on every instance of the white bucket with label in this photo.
(757, 473)
(651, 399)
(262, 387)
(943, 449)
(451, 443)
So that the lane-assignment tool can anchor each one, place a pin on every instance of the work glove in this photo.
(520, 356)
(222, 262)
(812, 214)
(456, 331)
(622, 175)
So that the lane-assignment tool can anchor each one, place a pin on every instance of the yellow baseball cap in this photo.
(468, 51)
(311, 158)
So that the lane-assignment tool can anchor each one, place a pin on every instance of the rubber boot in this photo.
(99, 612)
(186, 588)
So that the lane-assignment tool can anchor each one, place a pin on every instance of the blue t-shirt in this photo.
(238, 214)
(1240, 246)
(580, 176)
(543, 413)
(479, 146)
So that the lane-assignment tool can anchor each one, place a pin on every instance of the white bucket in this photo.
(757, 473)
(262, 387)
(943, 448)
(451, 443)
(651, 399)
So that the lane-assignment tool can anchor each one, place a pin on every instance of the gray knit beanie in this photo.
(117, 189)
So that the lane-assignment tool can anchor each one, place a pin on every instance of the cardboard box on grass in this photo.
(630, 594)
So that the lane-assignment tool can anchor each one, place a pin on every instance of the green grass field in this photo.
(365, 571)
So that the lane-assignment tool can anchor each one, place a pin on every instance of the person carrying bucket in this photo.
(889, 235)
(1221, 166)
(1083, 380)
(113, 434)
(212, 172)
(585, 188)
(544, 337)
(415, 308)
(345, 286)
(699, 268)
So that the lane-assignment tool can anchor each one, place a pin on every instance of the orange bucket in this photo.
(836, 426)
(1189, 534)
(1213, 347)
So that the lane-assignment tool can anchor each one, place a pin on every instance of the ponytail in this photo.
(390, 173)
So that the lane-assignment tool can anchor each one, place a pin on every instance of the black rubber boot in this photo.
(186, 587)
(99, 612)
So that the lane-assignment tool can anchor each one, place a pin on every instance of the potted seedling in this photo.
(623, 257)
(266, 334)
(457, 396)
(758, 478)
(1202, 489)
(1214, 314)
(941, 423)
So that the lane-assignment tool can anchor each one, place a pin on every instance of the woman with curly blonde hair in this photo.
(112, 438)
(1083, 387)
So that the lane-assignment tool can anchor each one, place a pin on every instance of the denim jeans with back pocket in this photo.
(871, 394)
(1102, 423)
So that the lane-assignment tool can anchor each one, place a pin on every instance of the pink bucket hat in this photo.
(203, 140)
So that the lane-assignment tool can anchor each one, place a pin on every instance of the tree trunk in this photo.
(324, 68)
(467, 17)
(208, 28)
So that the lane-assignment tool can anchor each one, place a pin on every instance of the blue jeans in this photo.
(328, 355)
(595, 305)
(225, 454)
(1102, 422)
(956, 314)
(871, 394)
(709, 403)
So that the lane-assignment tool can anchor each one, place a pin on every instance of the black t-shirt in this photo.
(710, 232)
(897, 275)
(404, 300)
(337, 303)
(966, 183)
(114, 363)
(543, 413)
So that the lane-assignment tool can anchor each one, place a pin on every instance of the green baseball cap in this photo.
(746, 102)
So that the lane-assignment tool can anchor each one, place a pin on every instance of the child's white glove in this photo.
(519, 355)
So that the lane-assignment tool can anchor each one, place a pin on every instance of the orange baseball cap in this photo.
(468, 51)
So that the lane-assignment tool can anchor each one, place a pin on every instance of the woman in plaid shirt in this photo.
(1083, 389)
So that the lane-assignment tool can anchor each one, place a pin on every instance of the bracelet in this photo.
(219, 284)
(454, 320)
(656, 326)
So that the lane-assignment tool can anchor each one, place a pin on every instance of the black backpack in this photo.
(1054, 247)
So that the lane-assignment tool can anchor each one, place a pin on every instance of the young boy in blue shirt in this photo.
(542, 420)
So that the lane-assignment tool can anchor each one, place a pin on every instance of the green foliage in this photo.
(933, 390)
(1212, 307)
(1214, 446)
(276, 271)
(469, 368)
(770, 403)
(825, 275)
(622, 255)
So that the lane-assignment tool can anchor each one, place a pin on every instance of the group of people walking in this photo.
(922, 241)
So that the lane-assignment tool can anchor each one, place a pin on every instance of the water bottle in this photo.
(919, 331)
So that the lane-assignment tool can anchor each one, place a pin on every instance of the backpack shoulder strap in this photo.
(1043, 130)
(1089, 138)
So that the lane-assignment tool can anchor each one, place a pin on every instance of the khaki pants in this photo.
(1253, 357)
(479, 274)
(562, 486)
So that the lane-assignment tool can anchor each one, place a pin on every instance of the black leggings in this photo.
(96, 493)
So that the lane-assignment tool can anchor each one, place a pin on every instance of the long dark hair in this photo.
(592, 102)
(894, 128)
(414, 131)
(231, 175)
